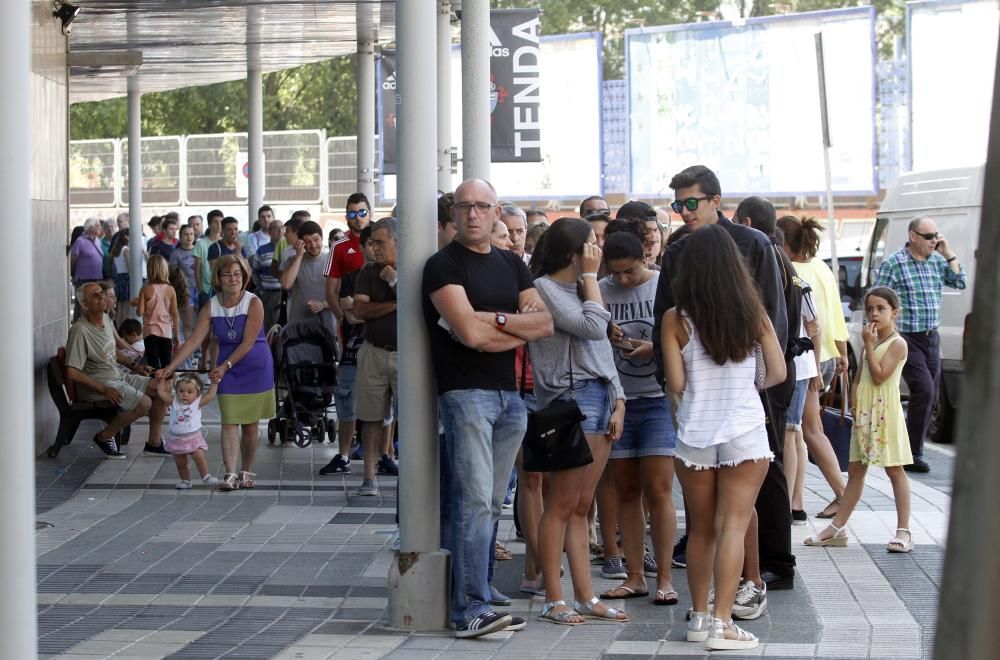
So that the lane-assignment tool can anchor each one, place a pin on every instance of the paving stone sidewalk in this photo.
(297, 568)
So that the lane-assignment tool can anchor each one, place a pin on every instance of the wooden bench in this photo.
(71, 410)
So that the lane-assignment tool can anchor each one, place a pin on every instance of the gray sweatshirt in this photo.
(586, 324)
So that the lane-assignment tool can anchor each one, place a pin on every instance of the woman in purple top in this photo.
(245, 370)
(86, 258)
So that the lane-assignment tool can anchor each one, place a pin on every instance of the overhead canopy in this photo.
(185, 43)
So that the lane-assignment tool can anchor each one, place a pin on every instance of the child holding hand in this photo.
(184, 437)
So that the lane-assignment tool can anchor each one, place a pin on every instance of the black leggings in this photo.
(159, 351)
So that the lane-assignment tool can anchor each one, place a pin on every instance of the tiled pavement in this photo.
(297, 568)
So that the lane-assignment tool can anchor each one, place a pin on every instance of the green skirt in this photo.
(246, 408)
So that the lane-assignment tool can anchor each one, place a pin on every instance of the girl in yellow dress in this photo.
(879, 436)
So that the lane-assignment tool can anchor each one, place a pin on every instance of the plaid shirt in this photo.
(918, 284)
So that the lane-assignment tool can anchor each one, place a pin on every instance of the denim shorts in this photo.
(751, 446)
(648, 429)
(595, 402)
(344, 394)
(793, 418)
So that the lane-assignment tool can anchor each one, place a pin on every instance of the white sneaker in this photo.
(751, 601)
(209, 480)
(183, 484)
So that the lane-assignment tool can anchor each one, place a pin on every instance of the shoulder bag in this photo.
(555, 440)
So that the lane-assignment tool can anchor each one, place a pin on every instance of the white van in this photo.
(953, 198)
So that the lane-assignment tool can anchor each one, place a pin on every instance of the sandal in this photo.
(228, 483)
(500, 553)
(897, 544)
(629, 593)
(246, 479)
(669, 597)
(826, 513)
(838, 540)
(588, 611)
(562, 617)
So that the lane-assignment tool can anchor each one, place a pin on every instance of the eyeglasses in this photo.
(235, 275)
(598, 214)
(480, 207)
(691, 203)
(929, 236)
(360, 213)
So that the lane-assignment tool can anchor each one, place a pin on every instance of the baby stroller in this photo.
(305, 366)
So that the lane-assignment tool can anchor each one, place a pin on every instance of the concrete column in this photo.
(418, 579)
(136, 242)
(17, 470)
(476, 89)
(444, 96)
(255, 117)
(366, 99)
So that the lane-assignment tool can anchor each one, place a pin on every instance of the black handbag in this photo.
(555, 440)
(838, 423)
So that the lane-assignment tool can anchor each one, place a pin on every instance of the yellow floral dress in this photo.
(879, 436)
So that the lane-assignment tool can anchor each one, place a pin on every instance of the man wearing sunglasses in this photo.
(697, 199)
(347, 255)
(917, 273)
(596, 211)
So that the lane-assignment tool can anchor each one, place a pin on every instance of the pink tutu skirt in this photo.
(185, 444)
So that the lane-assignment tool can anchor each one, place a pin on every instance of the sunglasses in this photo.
(598, 215)
(929, 236)
(360, 213)
(691, 203)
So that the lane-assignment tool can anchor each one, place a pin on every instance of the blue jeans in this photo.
(482, 433)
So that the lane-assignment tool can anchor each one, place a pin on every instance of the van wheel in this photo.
(942, 429)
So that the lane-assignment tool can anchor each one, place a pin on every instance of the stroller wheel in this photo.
(272, 430)
(302, 435)
(331, 430)
(319, 432)
(282, 427)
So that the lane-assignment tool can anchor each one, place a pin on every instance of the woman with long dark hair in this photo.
(566, 261)
(709, 344)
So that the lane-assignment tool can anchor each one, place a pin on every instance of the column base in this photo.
(420, 591)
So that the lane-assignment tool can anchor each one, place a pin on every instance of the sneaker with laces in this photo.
(109, 448)
(613, 569)
(209, 480)
(387, 466)
(751, 601)
(483, 624)
(368, 488)
(158, 450)
(718, 641)
(339, 465)
(183, 484)
(649, 566)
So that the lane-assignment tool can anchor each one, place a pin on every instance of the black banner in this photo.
(387, 111)
(514, 86)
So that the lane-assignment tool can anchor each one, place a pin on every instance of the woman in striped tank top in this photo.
(722, 453)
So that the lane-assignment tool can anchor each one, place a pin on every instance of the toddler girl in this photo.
(184, 437)
(879, 436)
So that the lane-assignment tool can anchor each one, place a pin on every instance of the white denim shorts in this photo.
(751, 446)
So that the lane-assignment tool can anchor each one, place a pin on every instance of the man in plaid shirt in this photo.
(917, 273)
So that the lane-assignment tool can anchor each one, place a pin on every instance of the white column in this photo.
(136, 243)
(444, 154)
(366, 99)
(418, 595)
(475, 89)
(255, 118)
(17, 469)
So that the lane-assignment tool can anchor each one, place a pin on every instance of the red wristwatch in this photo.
(501, 320)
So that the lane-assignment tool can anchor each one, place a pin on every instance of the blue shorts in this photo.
(595, 402)
(793, 418)
(343, 396)
(204, 298)
(648, 430)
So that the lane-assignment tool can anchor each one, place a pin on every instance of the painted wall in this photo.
(49, 205)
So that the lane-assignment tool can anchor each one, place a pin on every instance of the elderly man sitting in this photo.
(93, 351)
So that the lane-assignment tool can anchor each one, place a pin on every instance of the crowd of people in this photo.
(699, 352)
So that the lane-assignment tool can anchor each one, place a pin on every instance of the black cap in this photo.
(634, 210)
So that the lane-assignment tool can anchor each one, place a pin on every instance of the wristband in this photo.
(952, 259)
(594, 275)
(229, 365)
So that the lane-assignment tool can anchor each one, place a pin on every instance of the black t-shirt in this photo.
(493, 282)
(352, 334)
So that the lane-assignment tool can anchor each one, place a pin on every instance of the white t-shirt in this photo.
(185, 419)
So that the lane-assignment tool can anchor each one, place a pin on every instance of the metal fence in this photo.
(94, 172)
